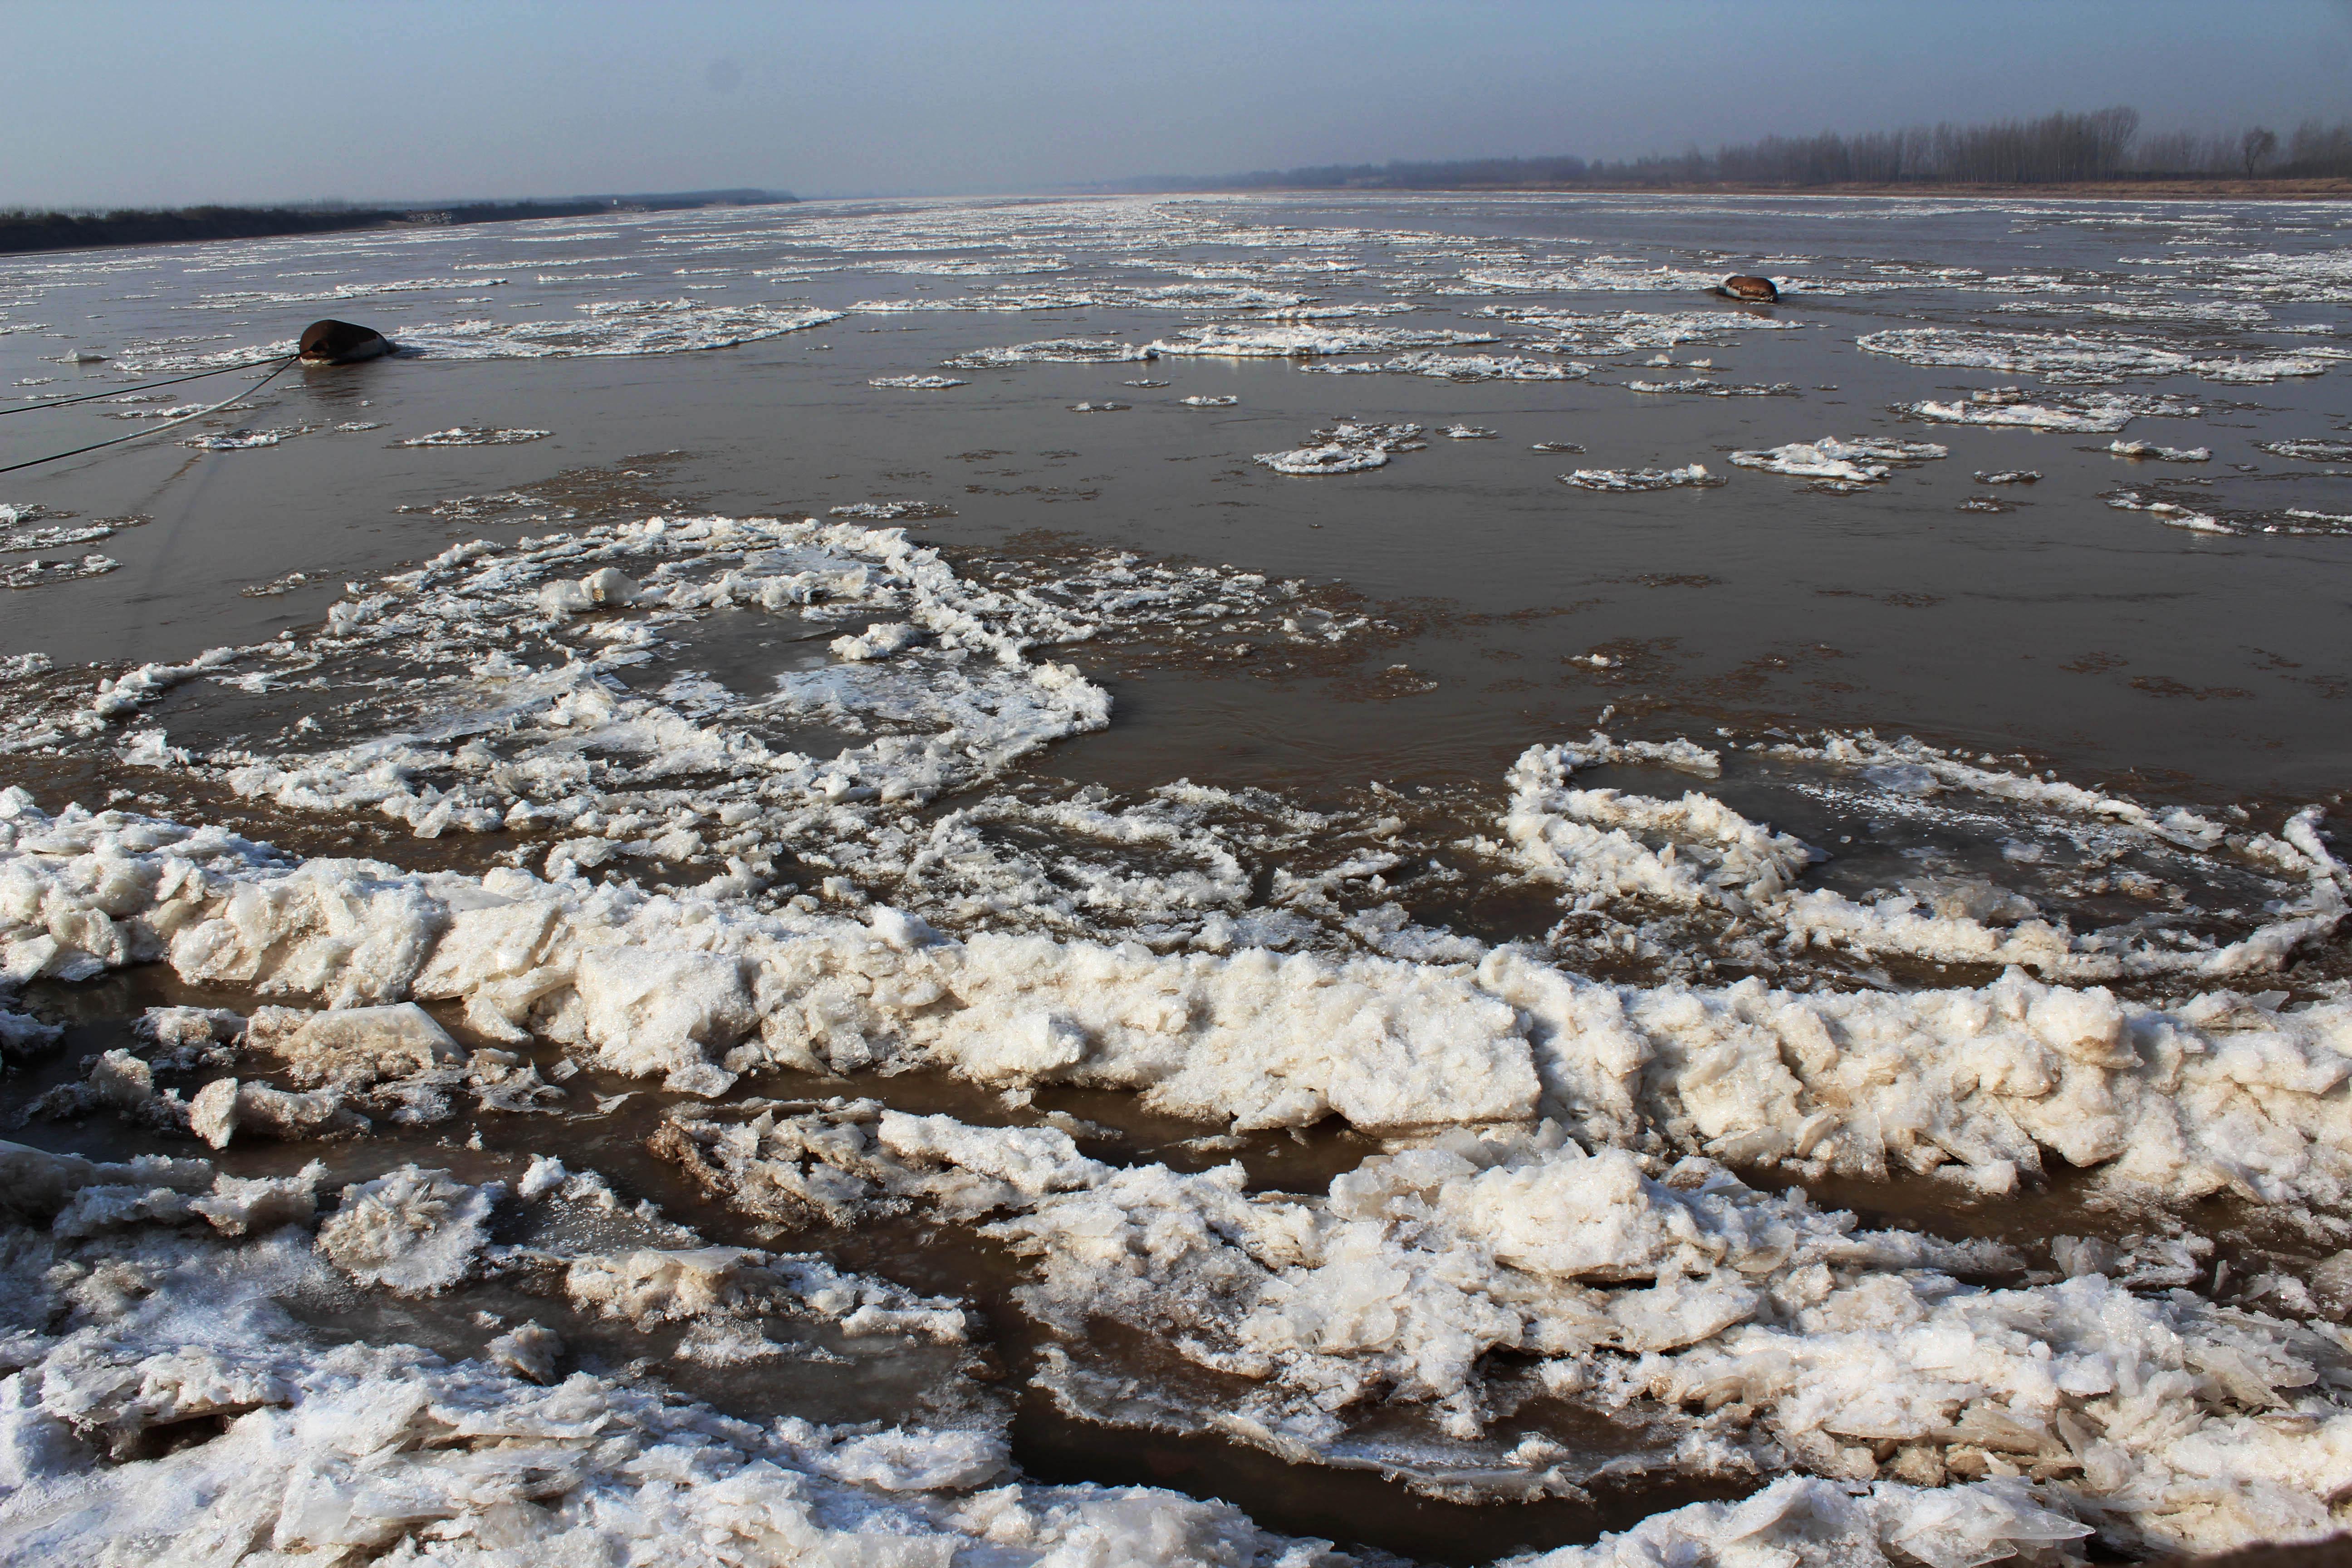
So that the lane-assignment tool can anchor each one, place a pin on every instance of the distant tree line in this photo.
(2056, 148)
(24, 231)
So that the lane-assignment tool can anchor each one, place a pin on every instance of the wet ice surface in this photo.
(908, 975)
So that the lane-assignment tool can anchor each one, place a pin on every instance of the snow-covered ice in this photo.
(1691, 475)
(472, 436)
(1347, 448)
(1841, 464)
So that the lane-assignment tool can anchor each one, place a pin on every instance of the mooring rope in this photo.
(283, 366)
(144, 386)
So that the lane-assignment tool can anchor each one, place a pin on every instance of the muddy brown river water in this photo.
(1386, 866)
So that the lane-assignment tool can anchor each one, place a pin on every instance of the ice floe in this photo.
(161, 408)
(413, 1232)
(473, 435)
(1627, 331)
(1706, 388)
(1855, 1355)
(1270, 1040)
(38, 573)
(1053, 350)
(1838, 464)
(247, 300)
(1800, 1521)
(1606, 844)
(2172, 514)
(615, 327)
(242, 440)
(2309, 451)
(2065, 357)
(1598, 275)
(2288, 520)
(891, 510)
(1347, 448)
(1690, 476)
(324, 1449)
(1250, 340)
(64, 535)
(1464, 367)
(975, 265)
(2087, 414)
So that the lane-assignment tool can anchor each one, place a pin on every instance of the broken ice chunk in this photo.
(412, 1231)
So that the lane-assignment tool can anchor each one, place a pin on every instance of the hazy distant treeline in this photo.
(2055, 149)
(24, 231)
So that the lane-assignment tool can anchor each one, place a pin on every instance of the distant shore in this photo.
(23, 232)
(2321, 190)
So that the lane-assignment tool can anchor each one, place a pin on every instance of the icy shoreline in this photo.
(1552, 1212)
(1505, 1215)
(323, 1453)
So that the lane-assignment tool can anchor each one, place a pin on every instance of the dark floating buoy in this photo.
(1760, 289)
(341, 342)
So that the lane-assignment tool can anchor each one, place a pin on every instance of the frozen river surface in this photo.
(1174, 880)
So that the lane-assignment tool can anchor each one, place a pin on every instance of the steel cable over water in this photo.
(142, 386)
(153, 429)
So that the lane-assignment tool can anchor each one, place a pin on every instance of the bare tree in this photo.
(2055, 149)
(2319, 150)
(2257, 147)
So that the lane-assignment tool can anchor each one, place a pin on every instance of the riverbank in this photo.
(22, 233)
(2117, 190)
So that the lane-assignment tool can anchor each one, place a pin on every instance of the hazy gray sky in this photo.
(172, 101)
